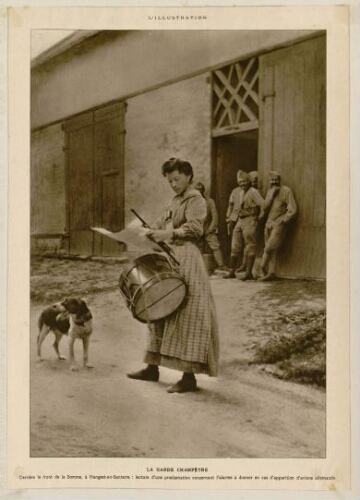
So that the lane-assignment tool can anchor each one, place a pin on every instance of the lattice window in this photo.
(236, 97)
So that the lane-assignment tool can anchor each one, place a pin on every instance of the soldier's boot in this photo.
(242, 268)
(232, 266)
(219, 260)
(271, 264)
(250, 259)
(263, 264)
(270, 275)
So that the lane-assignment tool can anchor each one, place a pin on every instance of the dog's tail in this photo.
(40, 324)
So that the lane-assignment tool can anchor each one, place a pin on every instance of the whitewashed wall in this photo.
(116, 64)
(171, 121)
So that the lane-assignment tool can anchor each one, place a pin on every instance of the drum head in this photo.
(155, 261)
(159, 299)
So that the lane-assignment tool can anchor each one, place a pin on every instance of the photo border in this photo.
(20, 21)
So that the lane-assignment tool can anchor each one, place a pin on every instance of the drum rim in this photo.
(163, 275)
(130, 266)
(162, 255)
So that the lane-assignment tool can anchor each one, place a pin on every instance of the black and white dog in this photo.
(70, 317)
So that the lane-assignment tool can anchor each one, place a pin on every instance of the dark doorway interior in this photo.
(231, 153)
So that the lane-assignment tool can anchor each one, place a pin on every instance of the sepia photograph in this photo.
(184, 252)
(217, 146)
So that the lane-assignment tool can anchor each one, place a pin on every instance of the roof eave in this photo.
(65, 44)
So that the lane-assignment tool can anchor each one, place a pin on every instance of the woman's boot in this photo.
(186, 384)
(150, 374)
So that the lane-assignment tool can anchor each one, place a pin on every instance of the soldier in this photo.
(254, 179)
(211, 227)
(244, 234)
(254, 183)
(279, 207)
(234, 205)
(232, 215)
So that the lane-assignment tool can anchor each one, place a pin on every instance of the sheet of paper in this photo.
(130, 237)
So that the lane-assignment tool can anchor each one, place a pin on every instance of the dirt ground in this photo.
(246, 412)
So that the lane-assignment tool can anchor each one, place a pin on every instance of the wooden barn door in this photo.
(292, 141)
(95, 170)
(80, 183)
(109, 133)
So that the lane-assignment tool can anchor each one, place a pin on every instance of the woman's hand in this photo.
(159, 234)
(143, 232)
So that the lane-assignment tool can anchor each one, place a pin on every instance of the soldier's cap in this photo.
(274, 175)
(243, 176)
(253, 175)
(200, 187)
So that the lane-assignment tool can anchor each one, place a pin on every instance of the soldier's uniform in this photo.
(253, 175)
(280, 205)
(244, 235)
(211, 228)
(232, 212)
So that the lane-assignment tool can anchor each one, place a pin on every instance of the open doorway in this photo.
(231, 153)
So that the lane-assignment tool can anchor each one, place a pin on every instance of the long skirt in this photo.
(187, 340)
